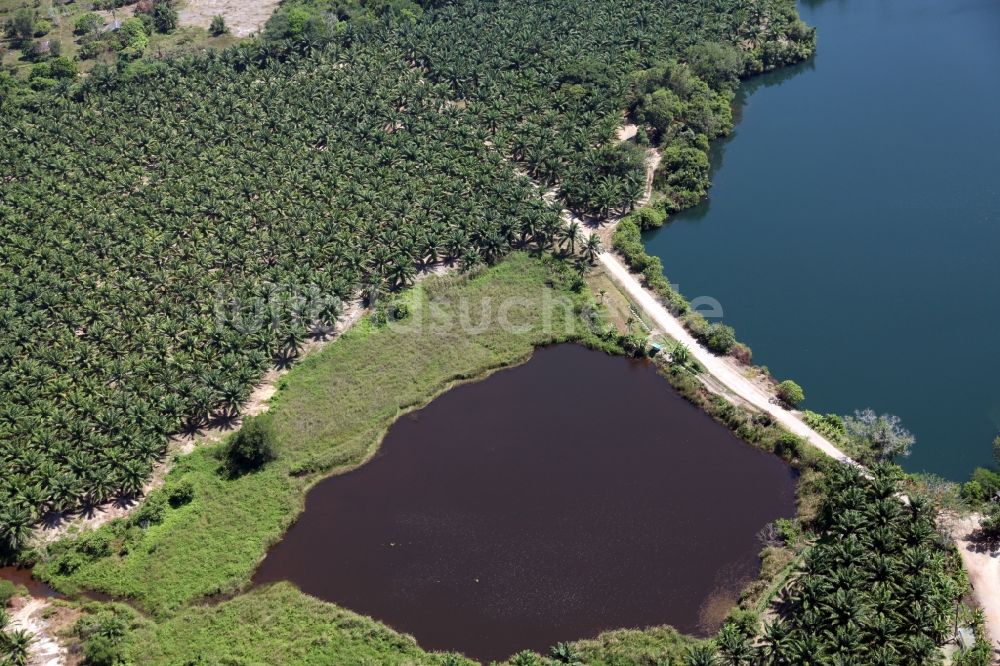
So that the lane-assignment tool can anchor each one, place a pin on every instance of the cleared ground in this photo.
(243, 17)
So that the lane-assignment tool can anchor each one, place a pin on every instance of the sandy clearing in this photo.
(44, 650)
(627, 132)
(243, 17)
(983, 566)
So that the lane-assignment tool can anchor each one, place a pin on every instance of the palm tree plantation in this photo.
(311, 214)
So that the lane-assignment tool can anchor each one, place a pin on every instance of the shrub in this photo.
(649, 218)
(881, 436)
(399, 311)
(989, 527)
(164, 17)
(132, 38)
(633, 344)
(790, 393)
(683, 175)
(218, 26)
(100, 650)
(62, 68)
(23, 24)
(90, 48)
(564, 653)
(252, 447)
(525, 658)
(7, 592)
(983, 485)
(88, 24)
(151, 512)
(788, 446)
(741, 353)
(973, 491)
(95, 545)
(180, 493)
(42, 28)
(719, 338)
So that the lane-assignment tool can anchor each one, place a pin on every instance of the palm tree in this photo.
(571, 235)
(735, 647)
(592, 247)
(18, 643)
(702, 655)
(15, 526)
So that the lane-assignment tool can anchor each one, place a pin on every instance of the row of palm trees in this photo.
(879, 586)
(152, 274)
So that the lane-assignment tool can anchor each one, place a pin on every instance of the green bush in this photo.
(719, 338)
(95, 545)
(252, 447)
(218, 26)
(633, 343)
(7, 592)
(180, 493)
(649, 218)
(88, 24)
(983, 486)
(683, 175)
(22, 25)
(100, 650)
(788, 446)
(132, 38)
(790, 393)
(151, 512)
(164, 17)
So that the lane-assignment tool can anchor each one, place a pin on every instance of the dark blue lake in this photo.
(853, 225)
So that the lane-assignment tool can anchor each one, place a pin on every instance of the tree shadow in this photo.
(981, 541)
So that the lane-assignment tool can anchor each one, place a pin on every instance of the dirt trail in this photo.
(982, 563)
(722, 369)
(726, 372)
(44, 650)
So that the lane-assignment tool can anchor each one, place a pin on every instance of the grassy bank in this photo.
(274, 625)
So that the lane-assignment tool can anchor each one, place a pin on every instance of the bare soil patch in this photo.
(243, 17)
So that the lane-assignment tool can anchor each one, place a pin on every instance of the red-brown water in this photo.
(22, 578)
(573, 494)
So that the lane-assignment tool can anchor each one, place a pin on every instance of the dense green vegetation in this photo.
(243, 196)
(174, 267)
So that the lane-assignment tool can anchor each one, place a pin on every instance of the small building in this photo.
(654, 349)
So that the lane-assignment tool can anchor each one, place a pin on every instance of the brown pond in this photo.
(570, 495)
(22, 578)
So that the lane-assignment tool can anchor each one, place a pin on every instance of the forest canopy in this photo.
(173, 228)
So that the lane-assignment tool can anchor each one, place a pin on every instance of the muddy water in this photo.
(549, 502)
(22, 578)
